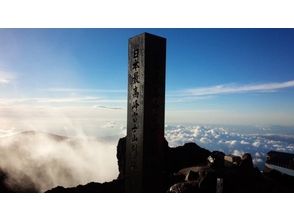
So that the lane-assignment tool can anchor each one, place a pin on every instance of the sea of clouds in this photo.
(42, 160)
(232, 140)
(89, 154)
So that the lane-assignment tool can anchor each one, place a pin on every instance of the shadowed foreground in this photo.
(190, 168)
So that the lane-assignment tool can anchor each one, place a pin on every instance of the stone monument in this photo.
(144, 171)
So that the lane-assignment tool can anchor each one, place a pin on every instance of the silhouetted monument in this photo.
(145, 123)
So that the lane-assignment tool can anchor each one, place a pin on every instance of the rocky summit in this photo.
(192, 169)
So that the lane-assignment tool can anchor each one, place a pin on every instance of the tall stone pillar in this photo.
(145, 123)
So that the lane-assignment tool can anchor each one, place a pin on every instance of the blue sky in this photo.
(235, 76)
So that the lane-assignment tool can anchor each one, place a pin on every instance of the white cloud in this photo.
(5, 77)
(227, 141)
(231, 142)
(66, 99)
(62, 100)
(107, 107)
(244, 142)
(237, 153)
(257, 154)
(96, 151)
(93, 158)
(205, 140)
(257, 161)
(234, 88)
(64, 119)
(85, 90)
(47, 161)
(4, 81)
(256, 144)
(109, 124)
(7, 132)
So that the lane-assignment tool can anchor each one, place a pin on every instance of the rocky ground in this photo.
(192, 169)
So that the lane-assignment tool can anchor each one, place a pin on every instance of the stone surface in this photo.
(207, 182)
(188, 155)
(120, 155)
(246, 164)
(216, 159)
(184, 187)
(191, 175)
(145, 123)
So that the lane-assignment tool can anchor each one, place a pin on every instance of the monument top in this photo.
(147, 34)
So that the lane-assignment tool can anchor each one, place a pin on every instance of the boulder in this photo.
(216, 159)
(120, 155)
(188, 155)
(191, 175)
(246, 164)
(184, 187)
(207, 182)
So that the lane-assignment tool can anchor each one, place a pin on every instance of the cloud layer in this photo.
(43, 161)
(230, 141)
(235, 88)
(46, 161)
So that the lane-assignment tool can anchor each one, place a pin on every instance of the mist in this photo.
(53, 148)
(44, 161)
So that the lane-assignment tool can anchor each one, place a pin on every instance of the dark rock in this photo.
(191, 175)
(190, 154)
(3, 187)
(120, 155)
(232, 160)
(27, 187)
(185, 187)
(250, 181)
(282, 182)
(216, 159)
(246, 164)
(115, 186)
(207, 182)
(176, 178)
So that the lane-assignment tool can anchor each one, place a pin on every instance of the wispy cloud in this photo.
(171, 98)
(68, 100)
(60, 100)
(49, 100)
(85, 90)
(235, 88)
(107, 107)
(5, 77)
(4, 81)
